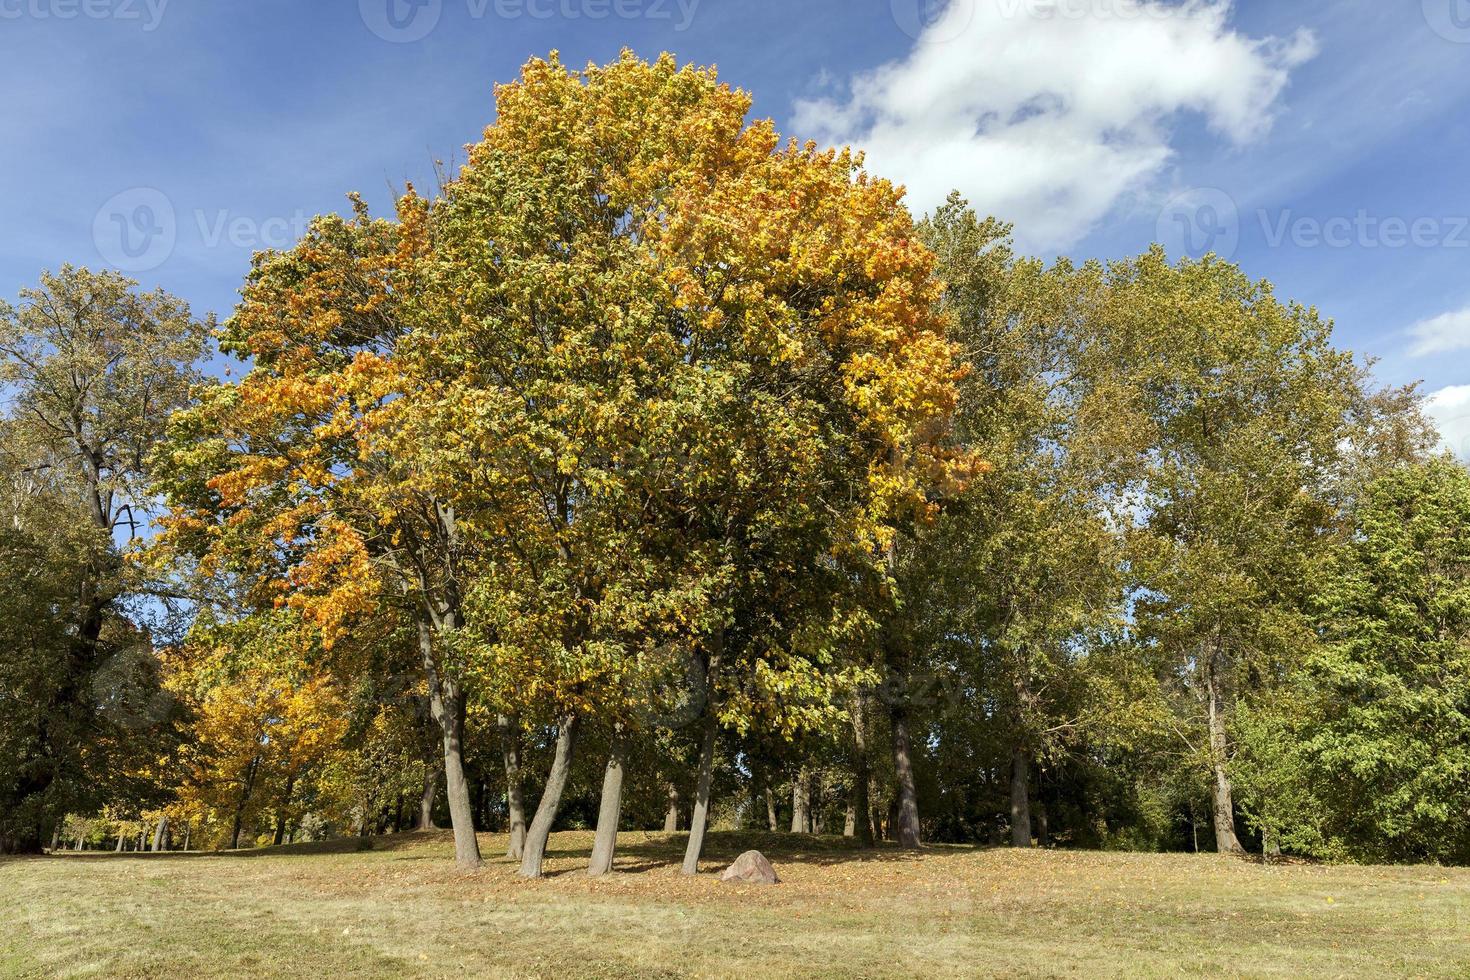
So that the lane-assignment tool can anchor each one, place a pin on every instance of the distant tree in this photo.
(90, 369)
(1253, 423)
(1370, 759)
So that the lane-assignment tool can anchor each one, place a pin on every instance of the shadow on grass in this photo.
(638, 852)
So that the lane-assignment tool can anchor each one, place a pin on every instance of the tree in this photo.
(304, 478)
(91, 369)
(1370, 758)
(1251, 419)
(698, 369)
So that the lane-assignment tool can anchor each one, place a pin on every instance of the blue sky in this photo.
(1323, 144)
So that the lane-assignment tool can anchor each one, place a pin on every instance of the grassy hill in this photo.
(400, 909)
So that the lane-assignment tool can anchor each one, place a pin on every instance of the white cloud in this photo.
(1438, 335)
(1450, 410)
(1046, 112)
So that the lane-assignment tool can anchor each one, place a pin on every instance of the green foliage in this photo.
(1371, 759)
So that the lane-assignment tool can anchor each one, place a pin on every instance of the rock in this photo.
(751, 868)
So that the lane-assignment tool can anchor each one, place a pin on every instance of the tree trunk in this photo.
(245, 792)
(771, 808)
(446, 704)
(849, 821)
(610, 809)
(120, 838)
(515, 789)
(671, 817)
(556, 783)
(699, 819)
(799, 824)
(903, 767)
(280, 837)
(188, 832)
(1225, 840)
(160, 832)
(1020, 797)
(425, 820)
(862, 772)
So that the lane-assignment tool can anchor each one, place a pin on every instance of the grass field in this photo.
(400, 909)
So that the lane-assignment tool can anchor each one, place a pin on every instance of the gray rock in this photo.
(751, 868)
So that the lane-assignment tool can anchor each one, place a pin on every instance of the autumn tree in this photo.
(693, 368)
(307, 476)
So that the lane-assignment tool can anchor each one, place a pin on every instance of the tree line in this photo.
(655, 472)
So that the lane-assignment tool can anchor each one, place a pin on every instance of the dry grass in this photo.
(401, 910)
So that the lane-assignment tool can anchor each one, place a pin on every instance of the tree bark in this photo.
(671, 817)
(446, 704)
(771, 808)
(515, 789)
(799, 817)
(245, 792)
(862, 772)
(1226, 841)
(1020, 797)
(160, 832)
(849, 821)
(425, 820)
(903, 767)
(699, 819)
(280, 837)
(120, 839)
(610, 808)
(556, 783)
(188, 832)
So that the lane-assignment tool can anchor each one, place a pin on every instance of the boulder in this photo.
(751, 868)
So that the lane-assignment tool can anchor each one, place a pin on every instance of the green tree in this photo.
(1370, 761)
(90, 368)
(1253, 422)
